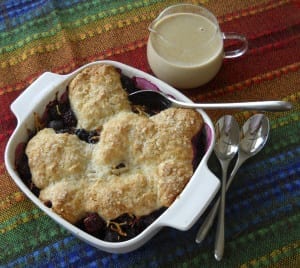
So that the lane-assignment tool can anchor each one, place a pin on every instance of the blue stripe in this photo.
(18, 9)
(281, 194)
(83, 255)
(20, 12)
(290, 176)
(79, 253)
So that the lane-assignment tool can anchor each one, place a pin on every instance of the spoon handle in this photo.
(208, 221)
(255, 105)
(220, 235)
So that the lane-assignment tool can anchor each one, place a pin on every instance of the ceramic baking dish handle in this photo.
(34, 94)
(185, 213)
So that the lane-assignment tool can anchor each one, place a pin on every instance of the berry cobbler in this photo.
(105, 164)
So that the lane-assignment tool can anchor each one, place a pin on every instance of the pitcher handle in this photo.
(239, 51)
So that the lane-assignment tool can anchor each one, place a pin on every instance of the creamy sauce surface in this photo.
(186, 39)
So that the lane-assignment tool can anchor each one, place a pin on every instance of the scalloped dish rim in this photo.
(192, 201)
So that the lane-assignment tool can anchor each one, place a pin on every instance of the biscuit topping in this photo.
(115, 161)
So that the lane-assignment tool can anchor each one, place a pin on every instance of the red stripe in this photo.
(256, 62)
(256, 25)
(7, 120)
(276, 37)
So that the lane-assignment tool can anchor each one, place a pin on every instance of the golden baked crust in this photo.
(96, 94)
(54, 157)
(139, 164)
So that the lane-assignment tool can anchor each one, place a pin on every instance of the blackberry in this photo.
(64, 98)
(21, 163)
(48, 204)
(34, 189)
(65, 130)
(145, 221)
(93, 223)
(128, 84)
(131, 231)
(53, 111)
(56, 124)
(82, 134)
(93, 137)
(121, 165)
(87, 136)
(198, 142)
(112, 236)
(69, 118)
(64, 107)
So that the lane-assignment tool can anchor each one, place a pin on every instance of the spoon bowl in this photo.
(227, 138)
(158, 98)
(254, 135)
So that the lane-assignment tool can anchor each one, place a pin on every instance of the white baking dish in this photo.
(184, 211)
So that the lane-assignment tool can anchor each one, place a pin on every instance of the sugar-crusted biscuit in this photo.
(96, 94)
(139, 164)
(53, 157)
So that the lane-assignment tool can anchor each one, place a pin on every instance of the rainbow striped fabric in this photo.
(263, 204)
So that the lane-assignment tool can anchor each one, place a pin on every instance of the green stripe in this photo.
(257, 243)
(279, 148)
(21, 218)
(276, 118)
(57, 20)
(260, 168)
(282, 139)
(287, 117)
(28, 236)
(260, 214)
(284, 135)
(13, 206)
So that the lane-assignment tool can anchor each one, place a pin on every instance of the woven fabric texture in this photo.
(263, 204)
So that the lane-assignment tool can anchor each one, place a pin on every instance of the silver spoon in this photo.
(161, 100)
(227, 140)
(254, 135)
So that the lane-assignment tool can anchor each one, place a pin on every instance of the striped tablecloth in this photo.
(262, 213)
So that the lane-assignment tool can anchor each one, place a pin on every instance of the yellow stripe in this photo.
(287, 262)
(7, 185)
(242, 116)
(274, 255)
(11, 200)
(60, 35)
(76, 31)
(21, 219)
(16, 209)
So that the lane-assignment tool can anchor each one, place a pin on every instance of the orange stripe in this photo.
(276, 85)
(272, 75)
(11, 199)
(7, 185)
(252, 10)
(73, 52)
(232, 7)
(64, 62)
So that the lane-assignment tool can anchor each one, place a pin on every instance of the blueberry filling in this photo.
(87, 136)
(48, 204)
(59, 116)
(120, 229)
(128, 84)
(21, 164)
